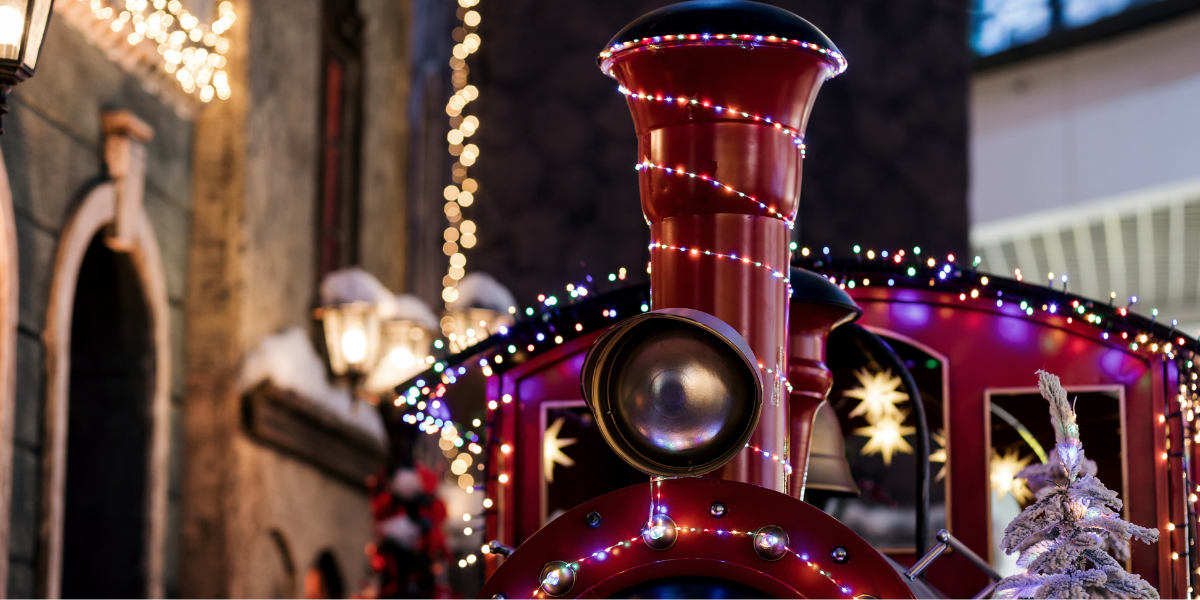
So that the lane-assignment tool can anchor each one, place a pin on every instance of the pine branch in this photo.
(1066, 431)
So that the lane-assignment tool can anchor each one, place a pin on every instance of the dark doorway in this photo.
(112, 370)
(324, 579)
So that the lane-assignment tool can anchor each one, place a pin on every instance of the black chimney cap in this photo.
(721, 17)
(813, 288)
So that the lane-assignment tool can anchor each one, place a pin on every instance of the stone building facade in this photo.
(141, 290)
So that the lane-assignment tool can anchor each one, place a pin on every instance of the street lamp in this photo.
(22, 30)
(351, 338)
(406, 344)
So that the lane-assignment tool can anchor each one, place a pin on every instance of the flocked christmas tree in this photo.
(1061, 537)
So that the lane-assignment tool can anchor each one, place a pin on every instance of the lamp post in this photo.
(22, 31)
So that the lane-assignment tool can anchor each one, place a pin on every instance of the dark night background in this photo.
(887, 141)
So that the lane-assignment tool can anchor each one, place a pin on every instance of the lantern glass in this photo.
(406, 344)
(12, 28)
(351, 337)
(469, 326)
(39, 17)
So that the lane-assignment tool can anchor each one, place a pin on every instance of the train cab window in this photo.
(875, 492)
(577, 464)
(1022, 441)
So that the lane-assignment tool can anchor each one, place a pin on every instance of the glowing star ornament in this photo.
(552, 449)
(940, 454)
(1004, 478)
(887, 437)
(878, 395)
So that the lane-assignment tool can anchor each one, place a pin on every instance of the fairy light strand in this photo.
(657, 507)
(659, 41)
(192, 51)
(461, 234)
(771, 212)
(602, 554)
(740, 259)
(795, 134)
(907, 269)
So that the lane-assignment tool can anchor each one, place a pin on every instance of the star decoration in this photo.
(879, 393)
(939, 455)
(887, 437)
(1004, 478)
(552, 449)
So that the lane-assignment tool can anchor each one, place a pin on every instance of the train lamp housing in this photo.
(22, 31)
(674, 391)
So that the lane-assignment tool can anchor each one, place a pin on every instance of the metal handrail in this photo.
(945, 540)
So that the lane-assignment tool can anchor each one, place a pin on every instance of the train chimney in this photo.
(720, 92)
(818, 306)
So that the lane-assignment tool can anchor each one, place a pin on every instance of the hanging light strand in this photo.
(461, 233)
(647, 165)
(192, 51)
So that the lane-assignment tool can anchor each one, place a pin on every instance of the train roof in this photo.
(586, 310)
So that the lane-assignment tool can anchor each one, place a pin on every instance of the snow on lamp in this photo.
(22, 31)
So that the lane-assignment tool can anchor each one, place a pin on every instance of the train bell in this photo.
(674, 391)
(828, 471)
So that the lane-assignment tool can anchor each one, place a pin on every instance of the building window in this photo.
(1000, 27)
(341, 124)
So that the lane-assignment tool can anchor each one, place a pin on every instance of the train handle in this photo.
(945, 540)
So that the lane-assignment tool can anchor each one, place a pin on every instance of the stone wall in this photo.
(257, 518)
(53, 145)
(558, 197)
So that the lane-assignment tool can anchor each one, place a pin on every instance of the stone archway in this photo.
(112, 213)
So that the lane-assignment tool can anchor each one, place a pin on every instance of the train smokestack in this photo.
(720, 92)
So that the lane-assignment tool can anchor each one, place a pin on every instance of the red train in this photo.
(676, 440)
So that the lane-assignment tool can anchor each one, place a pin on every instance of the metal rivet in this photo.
(660, 532)
(717, 510)
(557, 578)
(593, 519)
(770, 542)
(840, 555)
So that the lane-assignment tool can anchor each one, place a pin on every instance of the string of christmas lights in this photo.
(904, 268)
(797, 137)
(191, 50)
(697, 252)
(659, 41)
(461, 233)
(657, 507)
(787, 468)
(770, 211)
(1113, 323)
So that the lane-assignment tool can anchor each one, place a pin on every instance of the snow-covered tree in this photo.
(1061, 537)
